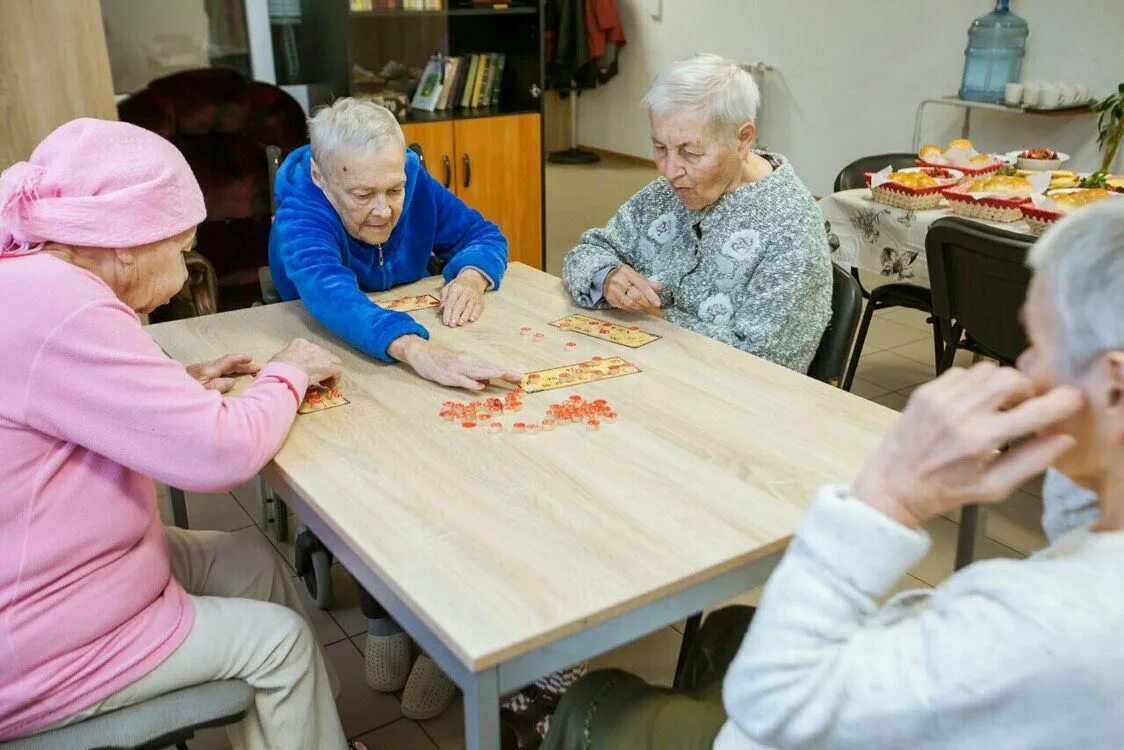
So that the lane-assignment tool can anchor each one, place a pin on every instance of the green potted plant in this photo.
(1110, 125)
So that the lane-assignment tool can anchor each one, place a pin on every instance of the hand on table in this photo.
(447, 366)
(218, 375)
(318, 363)
(627, 289)
(944, 451)
(462, 299)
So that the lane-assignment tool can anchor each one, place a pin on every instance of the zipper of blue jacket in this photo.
(385, 280)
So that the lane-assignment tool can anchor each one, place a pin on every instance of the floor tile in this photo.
(886, 334)
(447, 730)
(895, 401)
(892, 372)
(937, 565)
(922, 351)
(907, 317)
(361, 709)
(866, 389)
(1017, 523)
(345, 607)
(651, 658)
(220, 512)
(401, 735)
(327, 631)
(210, 739)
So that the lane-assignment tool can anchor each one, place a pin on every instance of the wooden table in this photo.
(507, 557)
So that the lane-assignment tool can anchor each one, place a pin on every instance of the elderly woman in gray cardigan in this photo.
(728, 242)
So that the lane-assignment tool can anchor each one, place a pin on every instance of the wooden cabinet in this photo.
(493, 164)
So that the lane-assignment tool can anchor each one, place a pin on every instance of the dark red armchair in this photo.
(222, 123)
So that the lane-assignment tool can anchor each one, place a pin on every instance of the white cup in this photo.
(1051, 96)
(1013, 94)
(1031, 93)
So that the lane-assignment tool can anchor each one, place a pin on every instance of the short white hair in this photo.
(1081, 259)
(719, 89)
(353, 124)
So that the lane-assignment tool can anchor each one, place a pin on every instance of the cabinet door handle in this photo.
(467, 170)
(448, 171)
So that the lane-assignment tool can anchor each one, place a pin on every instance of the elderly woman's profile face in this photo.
(701, 165)
(367, 189)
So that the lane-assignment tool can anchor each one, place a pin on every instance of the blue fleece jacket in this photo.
(314, 259)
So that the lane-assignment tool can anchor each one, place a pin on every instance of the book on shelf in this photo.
(449, 83)
(470, 80)
(429, 88)
(501, 60)
(482, 74)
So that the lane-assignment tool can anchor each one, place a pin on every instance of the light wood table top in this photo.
(504, 543)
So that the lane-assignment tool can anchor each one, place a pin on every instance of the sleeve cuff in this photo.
(592, 296)
(478, 260)
(403, 325)
(296, 379)
(858, 543)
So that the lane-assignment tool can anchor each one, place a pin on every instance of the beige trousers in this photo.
(247, 626)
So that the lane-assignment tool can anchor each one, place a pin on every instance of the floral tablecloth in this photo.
(883, 240)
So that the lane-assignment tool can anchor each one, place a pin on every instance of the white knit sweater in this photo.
(1005, 654)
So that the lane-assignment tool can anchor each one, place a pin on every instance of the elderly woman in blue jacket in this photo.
(357, 213)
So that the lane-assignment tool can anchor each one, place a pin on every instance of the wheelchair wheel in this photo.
(313, 563)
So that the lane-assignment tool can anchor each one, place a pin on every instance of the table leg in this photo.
(482, 712)
(179, 507)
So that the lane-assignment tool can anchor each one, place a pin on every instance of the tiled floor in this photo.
(896, 359)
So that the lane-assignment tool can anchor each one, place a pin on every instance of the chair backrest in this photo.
(979, 279)
(854, 174)
(846, 304)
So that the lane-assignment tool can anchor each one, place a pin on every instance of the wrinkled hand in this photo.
(318, 363)
(463, 298)
(944, 451)
(218, 375)
(627, 289)
(447, 366)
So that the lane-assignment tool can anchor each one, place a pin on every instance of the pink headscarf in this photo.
(97, 183)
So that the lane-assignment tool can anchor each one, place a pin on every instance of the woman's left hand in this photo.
(463, 298)
(219, 374)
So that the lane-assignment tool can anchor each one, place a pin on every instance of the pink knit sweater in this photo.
(91, 411)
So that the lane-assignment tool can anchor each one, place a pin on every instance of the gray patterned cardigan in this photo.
(752, 270)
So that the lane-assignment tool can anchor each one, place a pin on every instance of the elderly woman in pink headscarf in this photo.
(100, 605)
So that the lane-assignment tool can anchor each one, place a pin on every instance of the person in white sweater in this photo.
(1006, 653)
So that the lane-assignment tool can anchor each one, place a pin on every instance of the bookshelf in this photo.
(491, 155)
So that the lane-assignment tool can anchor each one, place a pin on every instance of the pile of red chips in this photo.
(575, 410)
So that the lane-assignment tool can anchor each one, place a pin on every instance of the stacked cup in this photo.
(1046, 95)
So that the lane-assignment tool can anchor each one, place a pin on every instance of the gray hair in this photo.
(1081, 259)
(719, 89)
(352, 124)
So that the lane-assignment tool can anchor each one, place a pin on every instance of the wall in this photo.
(53, 68)
(850, 74)
(148, 39)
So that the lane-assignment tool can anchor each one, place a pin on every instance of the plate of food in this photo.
(961, 155)
(1042, 212)
(994, 197)
(912, 188)
(1038, 159)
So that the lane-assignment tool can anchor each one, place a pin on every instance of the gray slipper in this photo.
(428, 691)
(388, 661)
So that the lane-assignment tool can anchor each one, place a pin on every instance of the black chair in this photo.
(831, 356)
(895, 294)
(827, 367)
(979, 281)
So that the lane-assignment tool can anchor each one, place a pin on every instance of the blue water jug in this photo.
(996, 45)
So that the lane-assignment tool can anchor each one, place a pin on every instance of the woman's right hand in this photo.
(318, 363)
(628, 289)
